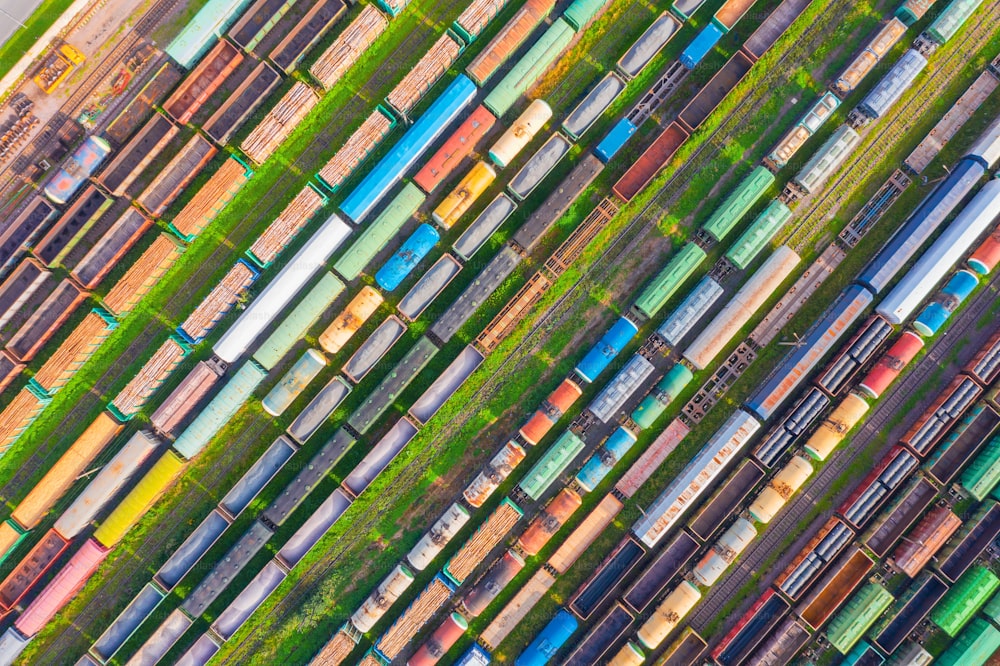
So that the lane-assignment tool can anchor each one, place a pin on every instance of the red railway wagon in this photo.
(650, 162)
(459, 146)
(136, 111)
(203, 81)
(245, 99)
(985, 365)
(43, 324)
(34, 565)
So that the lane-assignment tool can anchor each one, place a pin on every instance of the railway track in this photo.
(625, 242)
(904, 117)
(754, 557)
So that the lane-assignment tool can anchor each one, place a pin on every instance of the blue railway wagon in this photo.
(602, 462)
(701, 45)
(547, 643)
(409, 148)
(615, 140)
(606, 349)
(410, 253)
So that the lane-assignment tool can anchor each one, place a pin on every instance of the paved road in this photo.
(12, 14)
(753, 559)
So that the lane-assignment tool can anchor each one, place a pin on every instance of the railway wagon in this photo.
(77, 168)
(726, 500)
(356, 38)
(309, 30)
(889, 89)
(551, 465)
(393, 166)
(738, 203)
(279, 123)
(203, 81)
(381, 599)
(705, 102)
(796, 366)
(374, 348)
(599, 465)
(440, 641)
(424, 74)
(878, 485)
(176, 175)
(213, 19)
(238, 107)
(498, 469)
(668, 389)
(648, 45)
(879, 45)
(53, 247)
(817, 555)
(807, 126)
(123, 234)
(591, 107)
(508, 40)
(438, 536)
(383, 453)
(379, 232)
(724, 445)
(319, 409)
(597, 644)
(760, 232)
(724, 552)
(975, 535)
(429, 287)
(410, 253)
(43, 323)
(469, 189)
(486, 282)
(549, 641)
(475, 17)
(669, 280)
(751, 629)
(824, 163)
(492, 583)
(846, 574)
(898, 518)
(925, 540)
(654, 158)
(28, 224)
(854, 354)
(293, 383)
(523, 74)
(659, 572)
(549, 521)
(458, 146)
(668, 614)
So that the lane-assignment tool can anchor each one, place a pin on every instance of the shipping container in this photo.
(424, 607)
(410, 147)
(309, 30)
(458, 146)
(176, 175)
(183, 559)
(220, 410)
(199, 33)
(712, 339)
(350, 44)
(378, 234)
(120, 237)
(264, 309)
(429, 287)
(649, 163)
(250, 94)
(182, 401)
(648, 46)
(392, 385)
(387, 448)
(219, 302)
(724, 446)
(797, 365)
(591, 107)
(43, 323)
(319, 410)
(62, 588)
(203, 81)
(77, 168)
(437, 537)
(508, 40)
(526, 71)
(374, 348)
(449, 381)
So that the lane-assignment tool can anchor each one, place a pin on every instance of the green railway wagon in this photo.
(394, 383)
(992, 608)
(548, 468)
(964, 598)
(736, 205)
(665, 392)
(581, 12)
(380, 232)
(759, 234)
(974, 646)
(669, 280)
(299, 321)
(857, 617)
(951, 20)
(527, 70)
(983, 474)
